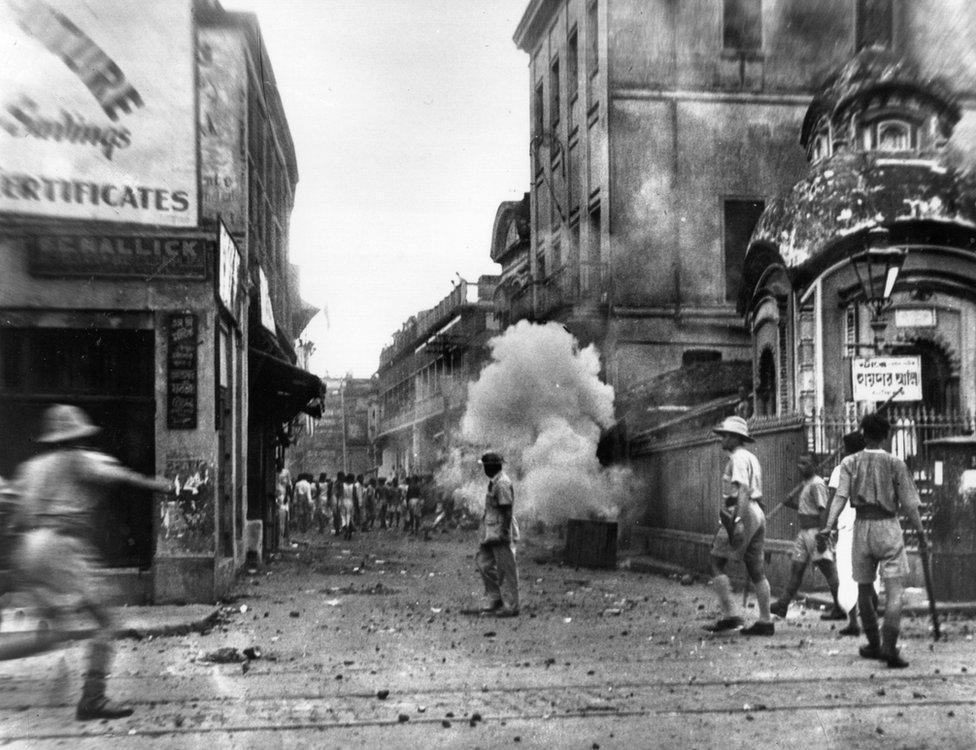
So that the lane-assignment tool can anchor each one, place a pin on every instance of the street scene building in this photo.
(424, 375)
(341, 440)
(709, 357)
(148, 281)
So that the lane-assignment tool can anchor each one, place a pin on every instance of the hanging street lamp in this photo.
(877, 268)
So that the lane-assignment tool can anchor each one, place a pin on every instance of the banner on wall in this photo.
(97, 113)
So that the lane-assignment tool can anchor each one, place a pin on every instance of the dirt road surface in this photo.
(365, 644)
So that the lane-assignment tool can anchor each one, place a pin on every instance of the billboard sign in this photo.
(97, 111)
(229, 272)
(267, 309)
(881, 378)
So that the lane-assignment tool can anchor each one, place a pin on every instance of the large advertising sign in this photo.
(97, 111)
(883, 378)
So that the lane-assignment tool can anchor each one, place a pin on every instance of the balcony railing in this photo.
(568, 285)
(425, 323)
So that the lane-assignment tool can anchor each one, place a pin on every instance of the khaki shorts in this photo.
(750, 537)
(878, 542)
(805, 548)
(60, 569)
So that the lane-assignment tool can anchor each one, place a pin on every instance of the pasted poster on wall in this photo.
(97, 114)
(181, 371)
(186, 519)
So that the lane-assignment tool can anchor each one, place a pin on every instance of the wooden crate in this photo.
(591, 544)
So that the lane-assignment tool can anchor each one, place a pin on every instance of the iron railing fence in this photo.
(912, 429)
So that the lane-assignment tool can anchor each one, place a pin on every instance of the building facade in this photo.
(890, 146)
(342, 439)
(424, 375)
(138, 279)
(660, 132)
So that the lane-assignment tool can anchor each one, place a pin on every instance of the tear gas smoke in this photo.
(541, 403)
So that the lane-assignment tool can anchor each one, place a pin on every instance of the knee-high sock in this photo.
(796, 580)
(829, 571)
(762, 598)
(723, 589)
(869, 615)
(893, 594)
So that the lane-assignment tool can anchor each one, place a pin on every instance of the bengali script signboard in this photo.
(880, 378)
(97, 113)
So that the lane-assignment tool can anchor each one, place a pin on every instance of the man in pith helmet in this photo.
(743, 530)
(60, 492)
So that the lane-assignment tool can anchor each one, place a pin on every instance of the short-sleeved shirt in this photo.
(63, 488)
(500, 494)
(742, 469)
(834, 482)
(875, 477)
(813, 497)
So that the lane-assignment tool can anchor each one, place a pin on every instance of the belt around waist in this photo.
(872, 513)
(809, 522)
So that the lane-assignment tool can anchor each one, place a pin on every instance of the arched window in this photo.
(821, 147)
(893, 135)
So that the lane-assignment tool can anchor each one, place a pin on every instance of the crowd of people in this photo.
(349, 503)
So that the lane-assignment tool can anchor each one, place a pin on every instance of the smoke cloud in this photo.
(541, 403)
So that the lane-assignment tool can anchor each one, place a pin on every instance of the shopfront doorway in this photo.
(110, 374)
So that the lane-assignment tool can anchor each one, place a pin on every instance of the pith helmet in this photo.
(63, 422)
(492, 458)
(735, 426)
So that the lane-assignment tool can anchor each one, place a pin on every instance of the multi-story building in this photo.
(424, 375)
(144, 272)
(342, 440)
(660, 130)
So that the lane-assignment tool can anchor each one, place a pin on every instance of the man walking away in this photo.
(878, 485)
(60, 494)
(496, 554)
(382, 501)
(323, 488)
(369, 505)
(336, 499)
(743, 529)
(853, 443)
(347, 508)
(302, 501)
(811, 507)
(414, 503)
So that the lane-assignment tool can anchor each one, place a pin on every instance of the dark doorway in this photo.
(108, 373)
(940, 388)
(766, 390)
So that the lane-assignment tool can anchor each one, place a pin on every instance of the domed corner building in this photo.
(885, 174)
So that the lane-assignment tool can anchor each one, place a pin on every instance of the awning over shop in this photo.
(280, 390)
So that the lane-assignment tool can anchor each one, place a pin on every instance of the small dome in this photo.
(875, 72)
(855, 191)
